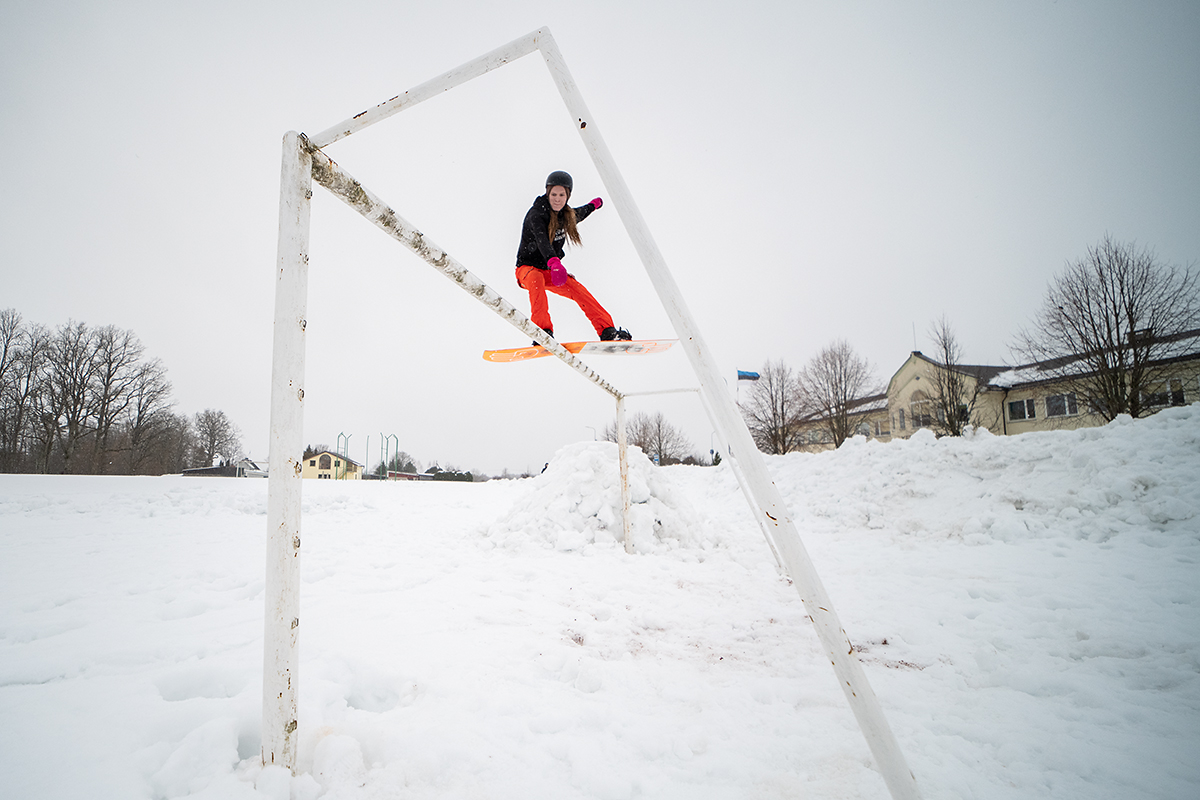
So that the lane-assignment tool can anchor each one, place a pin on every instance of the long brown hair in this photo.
(568, 221)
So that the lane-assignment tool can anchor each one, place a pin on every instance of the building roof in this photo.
(1058, 368)
(856, 407)
(347, 459)
(980, 372)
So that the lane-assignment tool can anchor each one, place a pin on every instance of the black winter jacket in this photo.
(536, 248)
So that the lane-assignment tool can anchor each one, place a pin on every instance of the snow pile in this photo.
(1027, 609)
(1087, 484)
(576, 502)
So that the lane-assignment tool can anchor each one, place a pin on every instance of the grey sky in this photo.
(811, 171)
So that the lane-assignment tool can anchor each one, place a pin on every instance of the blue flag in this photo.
(747, 376)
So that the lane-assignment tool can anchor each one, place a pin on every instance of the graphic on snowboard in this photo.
(634, 348)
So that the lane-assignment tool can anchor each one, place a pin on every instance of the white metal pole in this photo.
(281, 658)
(882, 742)
(762, 519)
(623, 466)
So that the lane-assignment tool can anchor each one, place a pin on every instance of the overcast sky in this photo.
(811, 171)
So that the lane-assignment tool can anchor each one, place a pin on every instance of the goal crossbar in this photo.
(303, 161)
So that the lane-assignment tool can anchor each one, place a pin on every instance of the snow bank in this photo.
(1026, 608)
(576, 502)
(1086, 484)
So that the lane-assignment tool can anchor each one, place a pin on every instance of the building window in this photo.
(920, 419)
(1062, 405)
(1177, 398)
(1154, 399)
(312, 463)
(1021, 409)
(900, 413)
(326, 461)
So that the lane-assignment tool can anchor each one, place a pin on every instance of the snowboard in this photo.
(634, 348)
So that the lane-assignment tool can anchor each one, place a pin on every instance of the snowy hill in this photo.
(1026, 609)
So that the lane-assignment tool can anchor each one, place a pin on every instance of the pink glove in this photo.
(597, 202)
(558, 273)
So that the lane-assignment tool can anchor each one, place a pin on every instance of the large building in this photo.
(1006, 400)
(1033, 397)
(331, 466)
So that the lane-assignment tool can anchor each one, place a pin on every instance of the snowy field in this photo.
(1027, 610)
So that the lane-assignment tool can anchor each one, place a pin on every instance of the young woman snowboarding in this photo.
(548, 224)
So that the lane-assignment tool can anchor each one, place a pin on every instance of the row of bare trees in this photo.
(1111, 331)
(783, 407)
(659, 439)
(87, 401)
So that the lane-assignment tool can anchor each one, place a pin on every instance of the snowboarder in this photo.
(548, 224)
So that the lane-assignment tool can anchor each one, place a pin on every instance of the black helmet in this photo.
(560, 178)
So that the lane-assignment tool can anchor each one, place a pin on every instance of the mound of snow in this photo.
(1086, 484)
(576, 502)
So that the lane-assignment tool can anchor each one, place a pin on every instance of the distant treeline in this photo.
(87, 401)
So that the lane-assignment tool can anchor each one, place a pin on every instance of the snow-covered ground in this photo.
(1027, 610)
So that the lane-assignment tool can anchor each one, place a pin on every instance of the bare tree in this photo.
(117, 369)
(68, 410)
(176, 452)
(956, 386)
(13, 398)
(149, 422)
(10, 336)
(216, 436)
(81, 400)
(831, 382)
(400, 462)
(773, 409)
(1109, 323)
(656, 437)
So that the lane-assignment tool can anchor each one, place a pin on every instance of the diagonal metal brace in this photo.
(327, 173)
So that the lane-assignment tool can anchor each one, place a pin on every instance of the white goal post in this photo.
(303, 162)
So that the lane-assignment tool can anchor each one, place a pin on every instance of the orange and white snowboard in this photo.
(634, 348)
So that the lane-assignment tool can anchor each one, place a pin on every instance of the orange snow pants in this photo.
(537, 283)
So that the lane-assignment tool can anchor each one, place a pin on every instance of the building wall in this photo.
(1023, 408)
(1043, 407)
(870, 424)
(1055, 407)
(329, 466)
(912, 405)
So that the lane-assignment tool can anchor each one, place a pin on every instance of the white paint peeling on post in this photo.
(281, 657)
(853, 680)
(443, 83)
(623, 466)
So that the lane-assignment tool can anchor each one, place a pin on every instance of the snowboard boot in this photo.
(615, 335)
